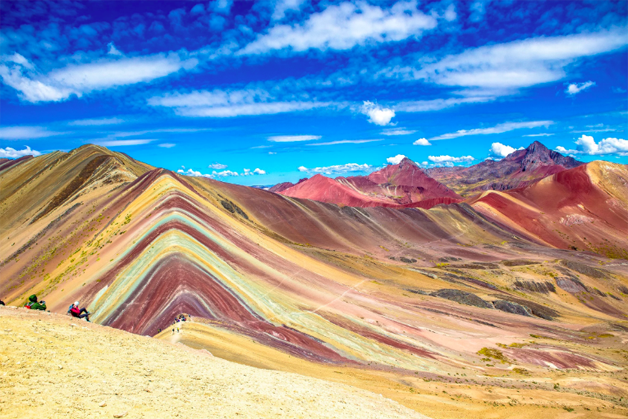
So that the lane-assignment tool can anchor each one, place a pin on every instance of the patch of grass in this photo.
(493, 353)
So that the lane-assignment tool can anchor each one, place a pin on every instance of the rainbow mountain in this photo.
(507, 286)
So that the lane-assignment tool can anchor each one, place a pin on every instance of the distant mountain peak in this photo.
(520, 168)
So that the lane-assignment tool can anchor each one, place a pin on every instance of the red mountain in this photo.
(404, 184)
(520, 168)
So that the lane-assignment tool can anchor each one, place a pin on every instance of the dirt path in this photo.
(52, 366)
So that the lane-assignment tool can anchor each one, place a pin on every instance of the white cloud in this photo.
(272, 152)
(217, 166)
(293, 138)
(282, 6)
(11, 153)
(538, 135)
(97, 121)
(395, 160)
(121, 143)
(222, 173)
(398, 131)
(497, 129)
(338, 169)
(450, 159)
(506, 67)
(575, 88)
(587, 145)
(344, 26)
(344, 142)
(421, 141)
(500, 150)
(166, 145)
(25, 133)
(230, 103)
(195, 173)
(377, 114)
(225, 173)
(79, 79)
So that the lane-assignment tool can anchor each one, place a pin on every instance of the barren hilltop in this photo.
(54, 366)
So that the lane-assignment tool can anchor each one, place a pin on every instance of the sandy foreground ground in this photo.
(53, 366)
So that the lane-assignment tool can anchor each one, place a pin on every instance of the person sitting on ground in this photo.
(79, 313)
(33, 304)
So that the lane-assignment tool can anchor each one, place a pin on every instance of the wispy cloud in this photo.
(97, 121)
(497, 129)
(344, 142)
(544, 134)
(293, 138)
(79, 79)
(25, 133)
(504, 68)
(231, 103)
(344, 26)
(121, 143)
(575, 88)
(217, 166)
(166, 145)
(440, 104)
(11, 153)
(399, 131)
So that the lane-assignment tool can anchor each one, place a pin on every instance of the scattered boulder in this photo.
(536, 309)
(407, 260)
(584, 269)
(571, 285)
(462, 297)
(233, 208)
(449, 259)
(417, 291)
(540, 287)
(519, 262)
(514, 308)
(478, 266)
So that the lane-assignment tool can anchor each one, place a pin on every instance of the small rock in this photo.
(103, 404)
(121, 415)
(60, 367)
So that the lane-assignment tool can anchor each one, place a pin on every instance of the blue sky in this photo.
(271, 91)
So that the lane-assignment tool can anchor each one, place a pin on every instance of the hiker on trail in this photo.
(78, 313)
(33, 304)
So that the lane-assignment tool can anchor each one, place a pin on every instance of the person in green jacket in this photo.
(33, 304)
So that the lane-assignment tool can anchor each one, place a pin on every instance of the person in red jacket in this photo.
(79, 313)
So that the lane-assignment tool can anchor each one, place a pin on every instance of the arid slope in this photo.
(54, 367)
